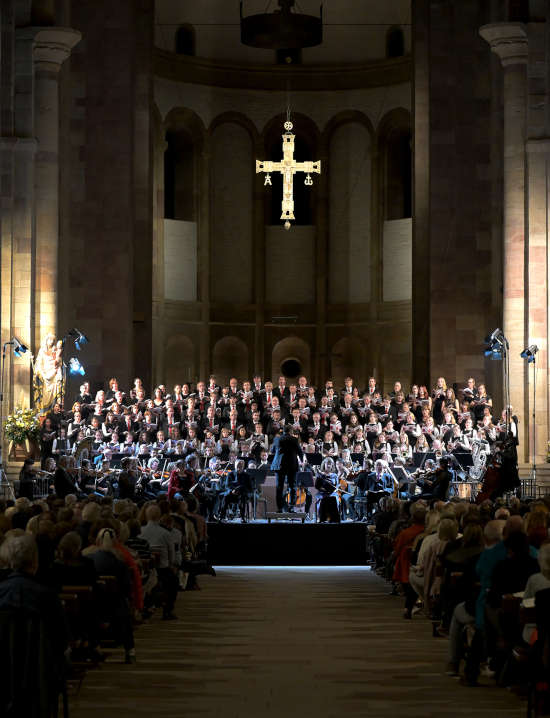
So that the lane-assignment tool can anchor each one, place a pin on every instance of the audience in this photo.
(479, 574)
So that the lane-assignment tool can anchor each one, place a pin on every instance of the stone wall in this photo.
(461, 213)
(106, 244)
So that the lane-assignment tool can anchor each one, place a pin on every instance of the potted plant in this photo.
(22, 429)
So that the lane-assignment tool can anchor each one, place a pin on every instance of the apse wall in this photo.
(311, 299)
(353, 31)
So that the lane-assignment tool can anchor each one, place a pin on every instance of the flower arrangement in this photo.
(22, 426)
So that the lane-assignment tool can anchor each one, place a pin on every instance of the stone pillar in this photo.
(159, 328)
(203, 239)
(259, 274)
(322, 360)
(509, 42)
(52, 46)
(538, 187)
(421, 298)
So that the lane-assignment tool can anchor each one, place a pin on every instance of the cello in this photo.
(492, 481)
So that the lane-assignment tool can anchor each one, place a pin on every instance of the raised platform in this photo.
(287, 544)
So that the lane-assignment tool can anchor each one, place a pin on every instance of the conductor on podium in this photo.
(285, 463)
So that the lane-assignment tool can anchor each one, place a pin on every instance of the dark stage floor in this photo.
(287, 544)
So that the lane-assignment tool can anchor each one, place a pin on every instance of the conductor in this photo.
(285, 463)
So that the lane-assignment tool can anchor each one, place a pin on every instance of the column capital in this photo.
(508, 40)
(52, 46)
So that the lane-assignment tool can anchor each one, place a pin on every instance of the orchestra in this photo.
(356, 445)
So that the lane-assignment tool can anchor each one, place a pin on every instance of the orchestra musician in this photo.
(127, 479)
(240, 488)
(438, 487)
(64, 477)
(27, 477)
(328, 498)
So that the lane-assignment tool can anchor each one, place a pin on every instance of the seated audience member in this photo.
(402, 550)
(159, 541)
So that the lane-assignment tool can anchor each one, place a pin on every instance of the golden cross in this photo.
(288, 168)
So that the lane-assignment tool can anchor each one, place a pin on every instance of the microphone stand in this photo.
(533, 475)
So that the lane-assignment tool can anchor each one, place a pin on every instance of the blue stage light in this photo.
(75, 367)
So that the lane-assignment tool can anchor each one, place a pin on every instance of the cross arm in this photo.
(268, 166)
(308, 167)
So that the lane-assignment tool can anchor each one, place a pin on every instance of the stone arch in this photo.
(179, 361)
(347, 358)
(291, 349)
(237, 118)
(184, 135)
(230, 358)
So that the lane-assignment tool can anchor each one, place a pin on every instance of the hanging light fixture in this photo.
(283, 29)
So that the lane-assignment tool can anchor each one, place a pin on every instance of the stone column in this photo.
(52, 46)
(258, 220)
(509, 42)
(322, 360)
(203, 238)
(538, 186)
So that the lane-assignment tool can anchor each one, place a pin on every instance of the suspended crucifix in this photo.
(288, 168)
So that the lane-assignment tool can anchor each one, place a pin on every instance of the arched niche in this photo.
(306, 144)
(230, 358)
(179, 361)
(232, 161)
(347, 358)
(395, 181)
(350, 215)
(395, 148)
(292, 353)
(184, 137)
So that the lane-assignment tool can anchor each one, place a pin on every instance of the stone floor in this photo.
(287, 642)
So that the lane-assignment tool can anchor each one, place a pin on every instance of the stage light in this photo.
(496, 336)
(529, 353)
(18, 347)
(75, 367)
(78, 336)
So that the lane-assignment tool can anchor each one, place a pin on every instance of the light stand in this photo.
(18, 348)
(534, 468)
(529, 353)
(498, 349)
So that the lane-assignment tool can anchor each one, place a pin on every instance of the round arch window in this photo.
(291, 368)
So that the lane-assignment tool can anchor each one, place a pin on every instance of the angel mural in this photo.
(48, 374)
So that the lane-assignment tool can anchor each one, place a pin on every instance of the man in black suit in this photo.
(288, 451)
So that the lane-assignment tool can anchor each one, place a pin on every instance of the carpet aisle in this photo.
(287, 642)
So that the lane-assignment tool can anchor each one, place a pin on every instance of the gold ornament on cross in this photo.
(288, 168)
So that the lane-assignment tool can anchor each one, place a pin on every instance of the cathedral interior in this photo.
(131, 207)
(146, 215)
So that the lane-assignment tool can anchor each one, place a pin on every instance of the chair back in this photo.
(30, 672)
